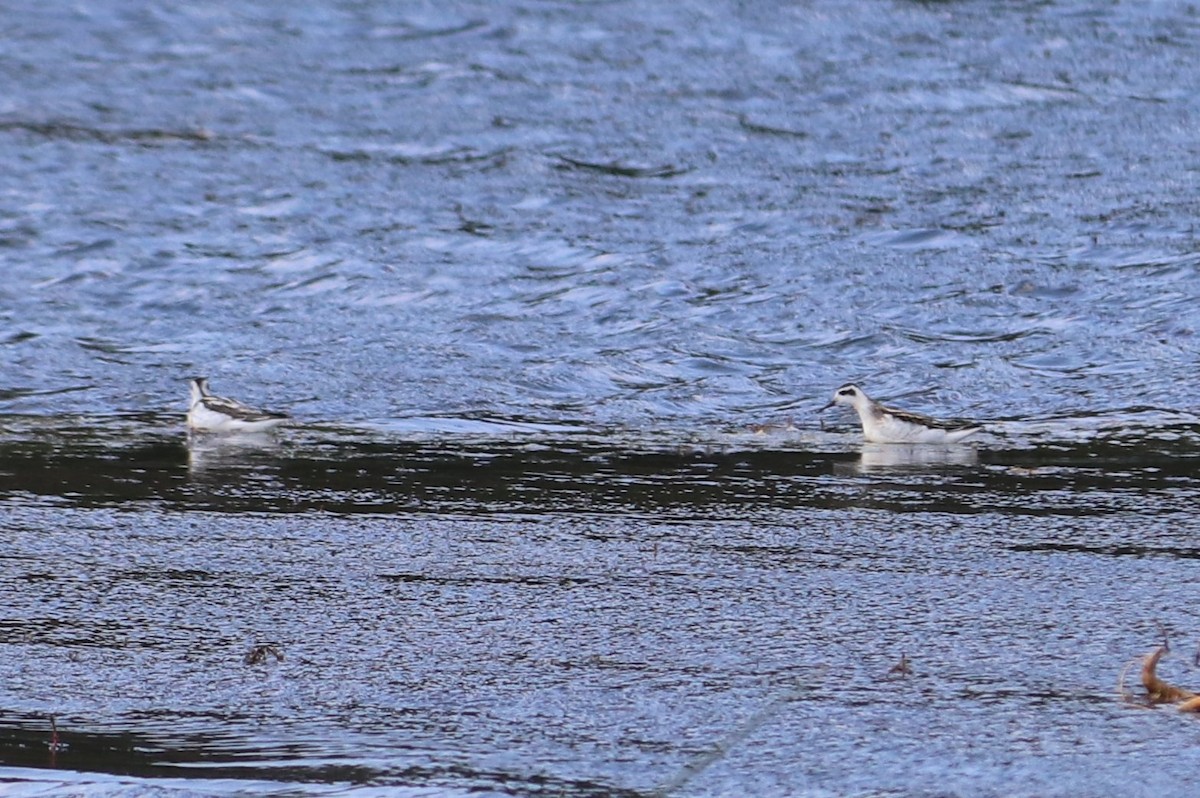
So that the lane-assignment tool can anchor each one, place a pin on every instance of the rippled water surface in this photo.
(552, 290)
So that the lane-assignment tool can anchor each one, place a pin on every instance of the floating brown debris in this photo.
(56, 743)
(772, 427)
(902, 668)
(1159, 691)
(259, 654)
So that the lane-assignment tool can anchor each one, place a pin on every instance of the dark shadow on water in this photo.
(30, 742)
(101, 464)
(1110, 550)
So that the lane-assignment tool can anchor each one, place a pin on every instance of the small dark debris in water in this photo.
(472, 226)
(259, 654)
(622, 169)
(902, 668)
(56, 744)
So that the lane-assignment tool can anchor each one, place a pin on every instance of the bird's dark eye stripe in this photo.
(846, 392)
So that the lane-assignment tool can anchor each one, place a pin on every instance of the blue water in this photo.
(552, 291)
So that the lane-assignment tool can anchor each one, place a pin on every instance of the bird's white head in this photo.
(850, 395)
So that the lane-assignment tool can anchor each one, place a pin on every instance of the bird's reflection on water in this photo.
(207, 452)
(879, 457)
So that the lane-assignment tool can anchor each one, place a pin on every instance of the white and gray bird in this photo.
(211, 413)
(882, 424)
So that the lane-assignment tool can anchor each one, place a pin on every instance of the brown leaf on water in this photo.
(1157, 690)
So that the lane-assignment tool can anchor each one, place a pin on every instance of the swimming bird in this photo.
(211, 413)
(882, 424)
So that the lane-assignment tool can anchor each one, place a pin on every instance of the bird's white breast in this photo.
(204, 419)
